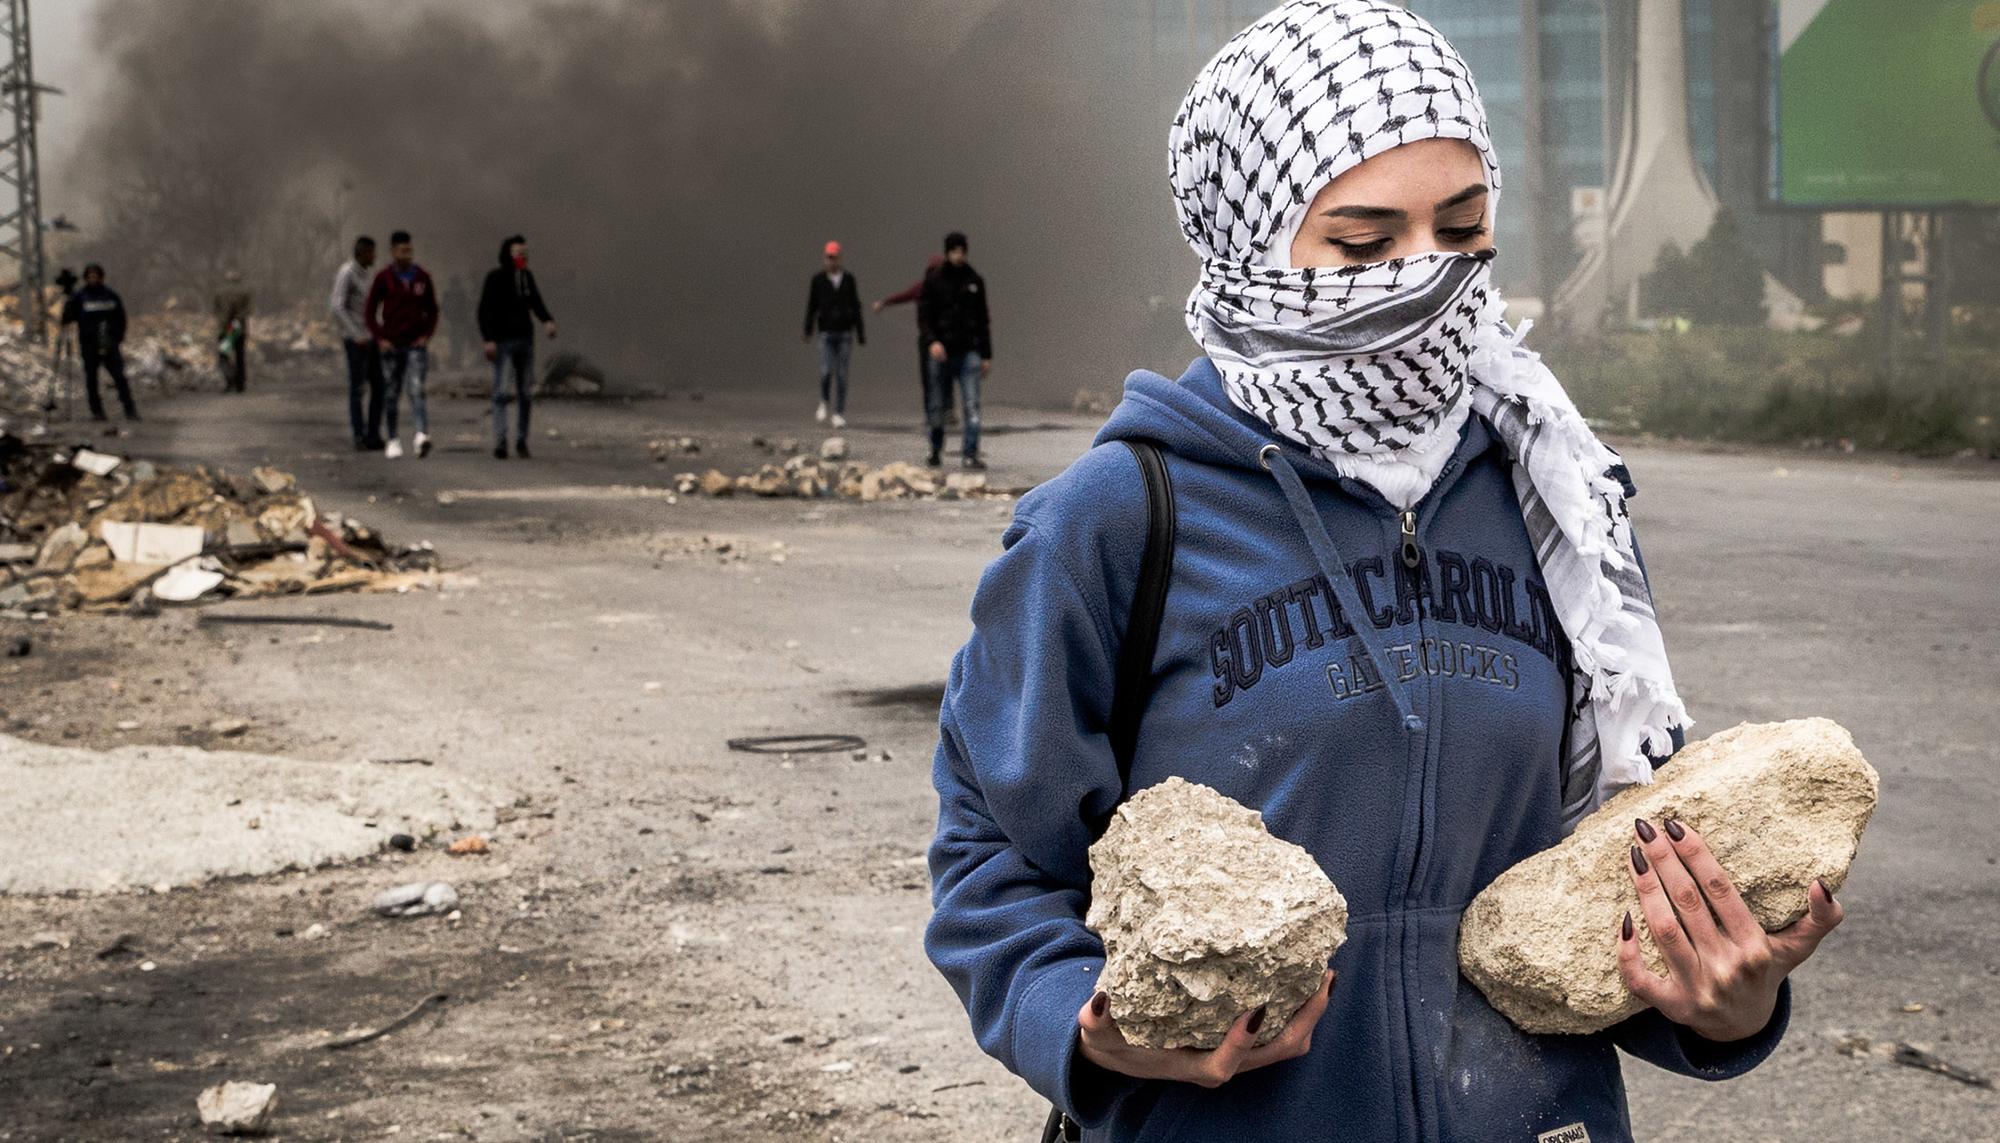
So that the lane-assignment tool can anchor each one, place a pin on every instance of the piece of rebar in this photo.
(414, 1012)
(210, 619)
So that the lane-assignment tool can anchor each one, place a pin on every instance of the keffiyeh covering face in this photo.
(1376, 365)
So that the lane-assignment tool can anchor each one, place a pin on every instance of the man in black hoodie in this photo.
(952, 319)
(833, 309)
(509, 305)
(99, 315)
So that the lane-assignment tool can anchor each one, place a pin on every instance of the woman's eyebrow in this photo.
(1372, 213)
(1464, 196)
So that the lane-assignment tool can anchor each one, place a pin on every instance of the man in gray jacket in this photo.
(349, 303)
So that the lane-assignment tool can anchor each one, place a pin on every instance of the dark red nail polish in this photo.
(1625, 930)
(1099, 1003)
(1824, 891)
(1639, 860)
(1676, 830)
(1256, 1021)
(1645, 829)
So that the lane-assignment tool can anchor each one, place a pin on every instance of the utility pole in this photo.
(20, 166)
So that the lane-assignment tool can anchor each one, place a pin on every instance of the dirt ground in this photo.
(670, 940)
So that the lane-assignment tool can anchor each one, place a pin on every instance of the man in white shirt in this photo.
(349, 303)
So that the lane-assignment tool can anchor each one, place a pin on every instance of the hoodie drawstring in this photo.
(1273, 459)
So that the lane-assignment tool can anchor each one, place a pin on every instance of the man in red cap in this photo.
(833, 311)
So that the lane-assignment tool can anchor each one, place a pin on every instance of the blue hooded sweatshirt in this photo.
(1412, 791)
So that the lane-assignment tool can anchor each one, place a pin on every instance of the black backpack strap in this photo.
(1134, 685)
(1133, 688)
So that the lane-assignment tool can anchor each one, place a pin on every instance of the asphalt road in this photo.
(706, 942)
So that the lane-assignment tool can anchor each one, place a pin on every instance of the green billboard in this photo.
(1887, 104)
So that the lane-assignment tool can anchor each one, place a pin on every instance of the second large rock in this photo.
(1779, 805)
(1205, 916)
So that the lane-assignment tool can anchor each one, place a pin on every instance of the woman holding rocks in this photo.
(1406, 621)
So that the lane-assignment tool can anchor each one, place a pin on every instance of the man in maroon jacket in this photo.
(402, 313)
(908, 296)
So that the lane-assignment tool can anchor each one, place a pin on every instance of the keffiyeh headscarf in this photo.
(1368, 364)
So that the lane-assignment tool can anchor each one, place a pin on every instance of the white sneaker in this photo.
(423, 443)
(839, 422)
(393, 449)
(821, 414)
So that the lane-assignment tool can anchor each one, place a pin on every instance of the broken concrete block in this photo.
(273, 481)
(1779, 804)
(237, 1108)
(833, 448)
(1205, 916)
(61, 546)
(417, 899)
(714, 483)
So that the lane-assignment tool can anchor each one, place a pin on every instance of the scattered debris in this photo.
(1088, 400)
(124, 537)
(94, 462)
(237, 1108)
(415, 1011)
(315, 932)
(833, 448)
(229, 727)
(417, 899)
(403, 762)
(121, 945)
(471, 843)
(664, 448)
(402, 841)
(812, 477)
(1914, 1057)
(20, 647)
(570, 374)
(47, 940)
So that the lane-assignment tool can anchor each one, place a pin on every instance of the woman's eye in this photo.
(1462, 233)
(1368, 247)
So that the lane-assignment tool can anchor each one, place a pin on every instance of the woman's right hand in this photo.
(1239, 1052)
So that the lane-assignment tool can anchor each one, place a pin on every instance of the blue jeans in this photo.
(834, 350)
(364, 371)
(521, 355)
(407, 364)
(937, 398)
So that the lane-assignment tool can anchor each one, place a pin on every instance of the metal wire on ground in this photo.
(798, 744)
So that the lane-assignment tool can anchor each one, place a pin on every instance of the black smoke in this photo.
(676, 166)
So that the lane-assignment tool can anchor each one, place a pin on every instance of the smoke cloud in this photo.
(676, 167)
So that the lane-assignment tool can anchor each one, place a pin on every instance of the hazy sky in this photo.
(61, 31)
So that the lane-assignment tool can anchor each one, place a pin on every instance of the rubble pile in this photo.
(80, 529)
(811, 477)
(166, 350)
(1779, 804)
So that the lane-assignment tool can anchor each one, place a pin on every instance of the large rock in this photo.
(237, 1108)
(1205, 916)
(1779, 804)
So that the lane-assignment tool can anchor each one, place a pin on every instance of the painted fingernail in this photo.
(1625, 930)
(1638, 860)
(1256, 1021)
(1099, 1003)
(1823, 890)
(1645, 829)
(1676, 830)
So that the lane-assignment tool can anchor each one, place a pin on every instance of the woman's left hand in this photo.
(1723, 969)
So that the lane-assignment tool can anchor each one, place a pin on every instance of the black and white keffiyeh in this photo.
(1364, 365)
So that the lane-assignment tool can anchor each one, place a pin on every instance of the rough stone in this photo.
(416, 899)
(237, 1108)
(833, 448)
(1204, 916)
(1779, 804)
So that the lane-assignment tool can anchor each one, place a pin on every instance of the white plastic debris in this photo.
(417, 899)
